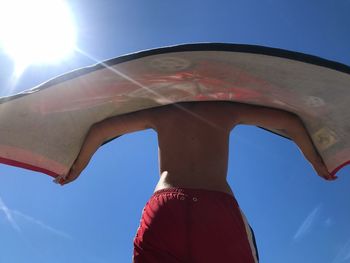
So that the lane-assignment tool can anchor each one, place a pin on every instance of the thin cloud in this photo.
(41, 224)
(307, 223)
(343, 254)
(348, 255)
(328, 222)
(9, 213)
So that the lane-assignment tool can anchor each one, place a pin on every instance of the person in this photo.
(193, 215)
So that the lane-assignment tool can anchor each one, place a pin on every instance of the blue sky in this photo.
(297, 217)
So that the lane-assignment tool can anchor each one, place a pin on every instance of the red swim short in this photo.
(181, 225)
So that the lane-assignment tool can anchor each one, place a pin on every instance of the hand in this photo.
(322, 171)
(73, 174)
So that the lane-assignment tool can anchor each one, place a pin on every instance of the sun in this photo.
(36, 31)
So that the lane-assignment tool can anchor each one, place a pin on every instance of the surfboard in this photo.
(42, 129)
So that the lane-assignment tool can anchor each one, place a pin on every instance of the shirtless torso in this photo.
(193, 146)
(193, 140)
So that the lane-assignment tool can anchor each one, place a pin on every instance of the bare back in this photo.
(193, 146)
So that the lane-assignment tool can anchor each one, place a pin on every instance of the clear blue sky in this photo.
(297, 217)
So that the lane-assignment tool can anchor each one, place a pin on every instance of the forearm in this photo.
(298, 133)
(92, 142)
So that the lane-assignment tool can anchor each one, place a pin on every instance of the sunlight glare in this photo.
(36, 31)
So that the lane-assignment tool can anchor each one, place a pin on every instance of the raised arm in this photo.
(289, 124)
(102, 132)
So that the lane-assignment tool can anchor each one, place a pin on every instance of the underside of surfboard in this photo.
(43, 128)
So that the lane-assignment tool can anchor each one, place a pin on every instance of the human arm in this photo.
(101, 132)
(289, 124)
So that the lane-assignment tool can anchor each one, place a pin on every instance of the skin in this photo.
(193, 140)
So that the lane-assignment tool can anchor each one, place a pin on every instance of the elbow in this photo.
(98, 132)
(295, 125)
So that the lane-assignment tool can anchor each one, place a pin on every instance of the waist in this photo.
(211, 185)
(195, 192)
